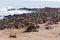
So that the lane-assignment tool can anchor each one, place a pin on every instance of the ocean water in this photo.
(5, 12)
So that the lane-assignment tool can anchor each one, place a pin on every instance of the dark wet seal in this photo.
(12, 36)
(48, 28)
(32, 28)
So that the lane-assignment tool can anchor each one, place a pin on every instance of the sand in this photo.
(43, 34)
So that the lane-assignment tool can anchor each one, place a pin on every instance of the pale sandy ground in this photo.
(43, 34)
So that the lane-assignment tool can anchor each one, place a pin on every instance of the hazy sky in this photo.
(30, 3)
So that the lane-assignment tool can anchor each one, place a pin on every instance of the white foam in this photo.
(4, 12)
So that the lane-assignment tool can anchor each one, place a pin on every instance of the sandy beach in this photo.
(43, 34)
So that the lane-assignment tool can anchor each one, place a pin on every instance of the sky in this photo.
(30, 3)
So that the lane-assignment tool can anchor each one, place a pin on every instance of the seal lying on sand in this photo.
(32, 28)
